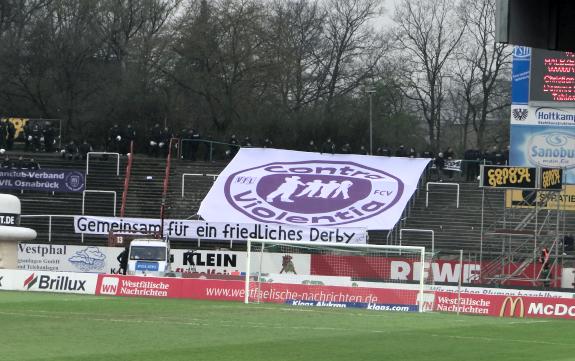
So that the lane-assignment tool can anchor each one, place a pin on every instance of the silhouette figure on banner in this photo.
(313, 189)
(285, 190)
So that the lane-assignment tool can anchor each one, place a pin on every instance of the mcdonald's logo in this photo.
(513, 303)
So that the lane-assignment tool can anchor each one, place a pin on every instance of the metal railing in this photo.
(97, 191)
(214, 176)
(456, 185)
(210, 144)
(418, 231)
(103, 153)
(50, 217)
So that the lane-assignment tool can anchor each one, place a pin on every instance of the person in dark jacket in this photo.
(312, 147)
(233, 146)
(123, 260)
(3, 132)
(439, 166)
(49, 137)
(11, 135)
(328, 146)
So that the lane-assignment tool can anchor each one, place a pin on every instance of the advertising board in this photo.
(506, 306)
(60, 282)
(67, 258)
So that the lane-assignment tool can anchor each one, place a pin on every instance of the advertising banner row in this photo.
(68, 258)
(512, 303)
(49, 257)
(223, 231)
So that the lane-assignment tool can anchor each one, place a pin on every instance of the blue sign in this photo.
(549, 146)
(147, 266)
(43, 180)
(520, 75)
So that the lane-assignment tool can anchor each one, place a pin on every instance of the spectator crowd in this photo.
(42, 136)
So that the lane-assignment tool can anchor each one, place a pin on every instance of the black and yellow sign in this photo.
(551, 179)
(513, 305)
(563, 200)
(501, 176)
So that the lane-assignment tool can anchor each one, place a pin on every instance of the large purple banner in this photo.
(43, 180)
(312, 189)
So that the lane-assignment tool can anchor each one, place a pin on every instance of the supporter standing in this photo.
(346, 149)
(84, 149)
(472, 158)
(165, 139)
(247, 142)
(123, 260)
(449, 154)
(49, 136)
(70, 151)
(400, 152)
(154, 139)
(195, 139)
(233, 146)
(7, 163)
(311, 146)
(115, 138)
(36, 137)
(439, 166)
(328, 146)
(32, 164)
(27, 135)
(11, 135)
(3, 133)
(129, 137)
(267, 143)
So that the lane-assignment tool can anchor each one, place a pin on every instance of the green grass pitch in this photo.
(41, 326)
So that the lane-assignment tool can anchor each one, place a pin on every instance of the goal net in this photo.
(388, 278)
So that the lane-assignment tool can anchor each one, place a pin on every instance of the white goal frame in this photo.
(398, 249)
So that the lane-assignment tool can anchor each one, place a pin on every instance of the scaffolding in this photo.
(511, 247)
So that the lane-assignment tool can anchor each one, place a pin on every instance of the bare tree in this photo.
(295, 34)
(352, 48)
(480, 70)
(428, 34)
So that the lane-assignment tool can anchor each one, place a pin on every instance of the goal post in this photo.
(379, 277)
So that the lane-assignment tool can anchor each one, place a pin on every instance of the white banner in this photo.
(313, 189)
(175, 228)
(451, 164)
(62, 282)
(64, 258)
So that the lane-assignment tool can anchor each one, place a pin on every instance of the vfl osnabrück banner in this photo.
(312, 189)
(46, 180)
(190, 229)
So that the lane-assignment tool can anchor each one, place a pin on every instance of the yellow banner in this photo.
(19, 124)
(547, 200)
